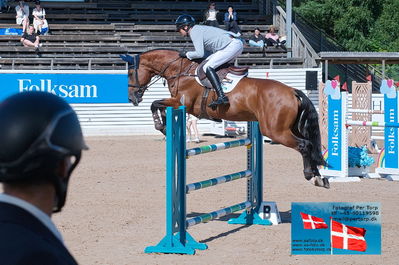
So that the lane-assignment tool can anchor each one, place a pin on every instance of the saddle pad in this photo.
(228, 83)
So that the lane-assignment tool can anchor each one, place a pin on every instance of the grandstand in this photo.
(90, 35)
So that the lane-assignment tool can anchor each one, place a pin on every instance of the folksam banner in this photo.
(335, 121)
(74, 87)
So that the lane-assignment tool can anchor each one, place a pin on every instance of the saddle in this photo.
(221, 71)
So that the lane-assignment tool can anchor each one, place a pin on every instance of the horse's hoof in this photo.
(308, 175)
(326, 183)
(321, 182)
(159, 127)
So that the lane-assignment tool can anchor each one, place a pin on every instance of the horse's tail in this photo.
(308, 126)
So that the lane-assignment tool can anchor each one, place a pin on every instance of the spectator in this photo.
(230, 21)
(22, 10)
(41, 144)
(273, 39)
(211, 15)
(39, 19)
(30, 39)
(192, 127)
(282, 40)
(256, 40)
(4, 5)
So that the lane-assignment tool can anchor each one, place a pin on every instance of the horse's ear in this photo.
(127, 58)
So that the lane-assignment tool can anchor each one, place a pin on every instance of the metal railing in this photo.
(300, 46)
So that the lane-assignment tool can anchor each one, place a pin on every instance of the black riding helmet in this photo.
(38, 130)
(184, 20)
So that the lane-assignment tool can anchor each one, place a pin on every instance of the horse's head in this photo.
(138, 78)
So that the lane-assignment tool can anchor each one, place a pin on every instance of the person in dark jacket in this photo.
(231, 21)
(40, 145)
(30, 38)
(256, 40)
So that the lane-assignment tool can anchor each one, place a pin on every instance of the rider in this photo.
(218, 45)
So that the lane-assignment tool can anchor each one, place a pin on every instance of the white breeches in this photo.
(230, 52)
(37, 23)
(20, 20)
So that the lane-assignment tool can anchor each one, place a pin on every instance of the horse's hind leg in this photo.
(311, 170)
(304, 147)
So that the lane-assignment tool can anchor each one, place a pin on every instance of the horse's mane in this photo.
(198, 61)
(160, 49)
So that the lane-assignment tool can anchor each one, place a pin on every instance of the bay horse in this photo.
(285, 115)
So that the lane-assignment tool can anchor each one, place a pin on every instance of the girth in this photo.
(204, 101)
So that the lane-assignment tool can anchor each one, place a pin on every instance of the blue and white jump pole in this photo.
(177, 239)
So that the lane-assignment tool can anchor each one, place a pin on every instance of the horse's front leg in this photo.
(159, 106)
(158, 124)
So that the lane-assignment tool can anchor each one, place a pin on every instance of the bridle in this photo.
(134, 64)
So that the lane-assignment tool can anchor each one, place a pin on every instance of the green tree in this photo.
(348, 21)
(358, 25)
(385, 32)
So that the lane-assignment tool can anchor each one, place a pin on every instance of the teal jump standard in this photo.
(177, 239)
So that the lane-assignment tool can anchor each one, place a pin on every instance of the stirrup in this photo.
(219, 101)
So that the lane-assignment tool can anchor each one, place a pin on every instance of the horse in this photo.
(285, 115)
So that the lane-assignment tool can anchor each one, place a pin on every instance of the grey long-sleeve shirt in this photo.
(208, 40)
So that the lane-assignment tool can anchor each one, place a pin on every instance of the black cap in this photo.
(34, 125)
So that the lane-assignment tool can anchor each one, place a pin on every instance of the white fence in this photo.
(125, 119)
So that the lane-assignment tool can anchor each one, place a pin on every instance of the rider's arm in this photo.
(198, 41)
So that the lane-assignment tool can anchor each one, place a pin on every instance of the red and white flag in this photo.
(347, 237)
(313, 222)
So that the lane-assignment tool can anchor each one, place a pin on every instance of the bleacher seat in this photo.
(92, 34)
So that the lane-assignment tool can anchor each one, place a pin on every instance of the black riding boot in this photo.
(214, 79)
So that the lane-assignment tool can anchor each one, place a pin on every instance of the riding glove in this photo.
(182, 54)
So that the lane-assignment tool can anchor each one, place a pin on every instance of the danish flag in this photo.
(313, 222)
(347, 237)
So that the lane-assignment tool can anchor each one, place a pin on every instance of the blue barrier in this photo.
(73, 87)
